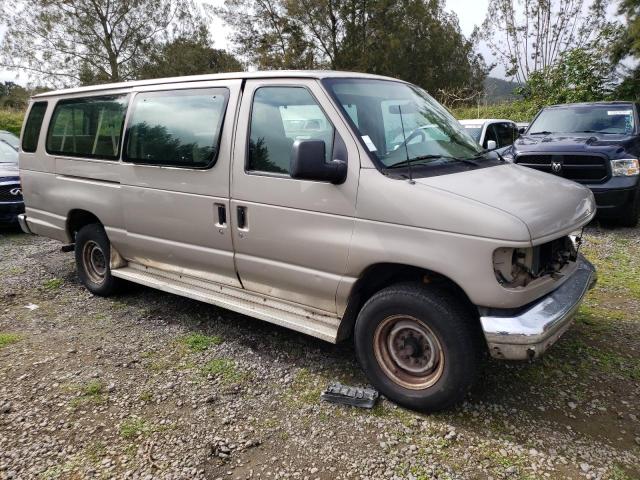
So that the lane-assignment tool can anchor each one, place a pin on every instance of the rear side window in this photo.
(179, 128)
(88, 127)
(33, 126)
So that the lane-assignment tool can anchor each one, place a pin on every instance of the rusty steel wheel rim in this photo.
(408, 352)
(95, 262)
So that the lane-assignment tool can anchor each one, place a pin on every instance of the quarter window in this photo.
(88, 127)
(279, 117)
(33, 126)
(179, 128)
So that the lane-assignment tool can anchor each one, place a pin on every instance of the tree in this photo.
(531, 35)
(628, 47)
(89, 41)
(266, 36)
(579, 75)
(415, 40)
(188, 56)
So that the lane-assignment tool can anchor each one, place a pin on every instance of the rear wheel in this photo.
(93, 251)
(418, 346)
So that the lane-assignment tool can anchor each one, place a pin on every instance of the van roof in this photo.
(318, 74)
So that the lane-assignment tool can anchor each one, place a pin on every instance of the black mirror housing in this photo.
(308, 163)
(521, 130)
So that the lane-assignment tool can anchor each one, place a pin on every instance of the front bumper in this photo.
(9, 211)
(615, 196)
(22, 220)
(530, 333)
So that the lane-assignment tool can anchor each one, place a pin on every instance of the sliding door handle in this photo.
(242, 218)
(221, 210)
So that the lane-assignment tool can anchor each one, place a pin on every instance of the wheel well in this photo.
(378, 276)
(78, 219)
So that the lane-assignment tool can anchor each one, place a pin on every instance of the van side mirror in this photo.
(521, 130)
(491, 144)
(308, 163)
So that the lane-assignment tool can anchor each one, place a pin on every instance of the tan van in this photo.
(336, 204)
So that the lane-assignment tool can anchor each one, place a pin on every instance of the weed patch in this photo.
(198, 342)
(134, 427)
(8, 339)
(224, 369)
(53, 284)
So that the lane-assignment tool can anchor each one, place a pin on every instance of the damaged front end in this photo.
(518, 267)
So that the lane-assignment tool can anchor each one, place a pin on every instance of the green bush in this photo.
(521, 111)
(11, 120)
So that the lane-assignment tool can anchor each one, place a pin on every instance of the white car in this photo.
(492, 134)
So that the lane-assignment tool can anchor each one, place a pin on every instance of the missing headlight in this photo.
(517, 267)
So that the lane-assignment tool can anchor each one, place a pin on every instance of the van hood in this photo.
(546, 204)
(8, 170)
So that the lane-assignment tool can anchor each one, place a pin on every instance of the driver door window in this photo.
(279, 117)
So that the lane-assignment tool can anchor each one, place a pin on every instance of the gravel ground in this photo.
(150, 385)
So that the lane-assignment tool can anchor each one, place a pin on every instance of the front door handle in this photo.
(242, 218)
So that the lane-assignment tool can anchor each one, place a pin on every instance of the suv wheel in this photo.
(418, 346)
(93, 251)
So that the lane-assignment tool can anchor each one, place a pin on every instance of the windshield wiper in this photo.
(597, 131)
(413, 161)
(542, 132)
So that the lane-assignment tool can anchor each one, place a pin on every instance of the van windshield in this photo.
(605, 119)
(399, 122)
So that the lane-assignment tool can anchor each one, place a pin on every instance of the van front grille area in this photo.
(10, 192)
(579, 168)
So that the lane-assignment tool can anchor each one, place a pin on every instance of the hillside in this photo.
(498, 90)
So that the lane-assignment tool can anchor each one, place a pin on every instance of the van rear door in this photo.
(175, 179)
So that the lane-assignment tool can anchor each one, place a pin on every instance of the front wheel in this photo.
(418, 346)
(93, 252)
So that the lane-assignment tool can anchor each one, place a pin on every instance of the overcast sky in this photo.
(470, 14)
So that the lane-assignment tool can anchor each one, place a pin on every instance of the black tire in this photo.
(390, 314)
(632, 213)
(93, 251)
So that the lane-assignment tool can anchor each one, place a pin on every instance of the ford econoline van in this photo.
(341, 205)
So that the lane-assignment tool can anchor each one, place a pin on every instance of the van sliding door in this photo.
(175, 179)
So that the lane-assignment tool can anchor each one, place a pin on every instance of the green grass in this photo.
(11, 120)
(146, 396)
(8, 339)
(91, 392)
(134, 427)
(52, 284)
(224, 369)
(519, 111)
(618, 265)
(198, 342)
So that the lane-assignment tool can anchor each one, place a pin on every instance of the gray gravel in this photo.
(149, 385)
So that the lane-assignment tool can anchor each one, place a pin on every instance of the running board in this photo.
(275, 311)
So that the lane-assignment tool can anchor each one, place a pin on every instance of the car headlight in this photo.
(625, 167)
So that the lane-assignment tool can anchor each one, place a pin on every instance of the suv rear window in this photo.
(88, 127)
(179, 128)
(33, 126)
